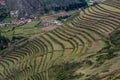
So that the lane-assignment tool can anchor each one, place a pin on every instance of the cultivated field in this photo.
(73, 51)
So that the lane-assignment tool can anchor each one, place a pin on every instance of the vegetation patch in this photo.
(65, 71)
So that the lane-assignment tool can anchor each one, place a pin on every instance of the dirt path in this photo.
(49, 28)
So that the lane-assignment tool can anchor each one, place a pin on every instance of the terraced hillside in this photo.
(82, 49)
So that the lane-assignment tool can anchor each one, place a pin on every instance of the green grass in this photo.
(23, 30)
(8, 19)
(39, 25)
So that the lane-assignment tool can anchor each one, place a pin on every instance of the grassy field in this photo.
(23, 30)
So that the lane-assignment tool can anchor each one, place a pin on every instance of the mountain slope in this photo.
(82, 49)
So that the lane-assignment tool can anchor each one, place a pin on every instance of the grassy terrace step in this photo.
(32, 50)
(96, 36)
(77, 47)
(18, 52)
(84, 19)
(107, 19)
(102, 26)
(70, 39)
(78, 31)
(62, 36)
(109, 13)
(53, 42)
(14, 58)
(113, 11)
(116, 14)
(112, 23)
(56, 57)
(17, 55)
(36, 47)
(90, 13)
(39, 76)
(67, 37)
(9, 60)
(97, 11)
(89, 37)
(48, 43)
(95, 24)
(42, 47)
(47, 60)
(85, 38)
(93, 28)
(75, 30)
(38, 64)
(42, 63)
(65, 43)
(104, 29)
(4, 63)
(77, 38)
(71, 35)
(78, 20)
(94, 11)
(113, 4)
(47, 63)
(15, 74)
(107, 27)
(25, 72)
(91, 20)
(36, 77)
(56, 40)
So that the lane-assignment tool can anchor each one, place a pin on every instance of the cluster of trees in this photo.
(35, 7)
(67, 5)
(3, 42)
(63, 17)
(3, 14)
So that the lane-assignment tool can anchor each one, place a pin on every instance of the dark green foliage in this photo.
(62, 17)
(113, 46)
(3, 14)
(3, 42)
(115, 37)
(92, 77)
(65, 71)
(103, 57)
(71, 6)
(38, 25)
(107, 70)
(118, 77)
(88, 62)
(38, 7)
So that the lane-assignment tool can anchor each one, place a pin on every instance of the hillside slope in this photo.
(36, 7)
(83, 49)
